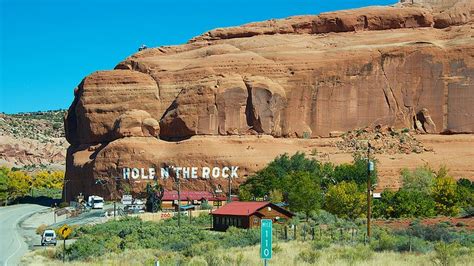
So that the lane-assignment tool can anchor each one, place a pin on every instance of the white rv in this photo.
(95, 202)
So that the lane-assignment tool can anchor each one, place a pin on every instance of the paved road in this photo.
(12, 244)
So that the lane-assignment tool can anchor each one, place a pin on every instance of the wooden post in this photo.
(64, 250)
(304, 232)
(294, 232)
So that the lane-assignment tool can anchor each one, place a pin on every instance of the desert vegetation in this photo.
(42, 126)
(328, 228)
(323, 239)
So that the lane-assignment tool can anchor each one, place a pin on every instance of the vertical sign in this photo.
(266, 239)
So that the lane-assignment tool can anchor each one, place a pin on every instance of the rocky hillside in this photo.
(33, 140)
(405, 66)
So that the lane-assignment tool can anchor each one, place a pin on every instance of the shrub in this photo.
(413, 244)
(83, 248)
(309, 256)
(438, 232)
(200, 248)
(324, 217)
(384, 241)
(320, 244)
(40, 229)
(197, 261)
(235, 237)
(213, 260)
(276, 248)
(206, 206)
(239, 260)
(355, 254)
(468, 212)
(445, 253)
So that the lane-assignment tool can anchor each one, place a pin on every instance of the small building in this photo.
(247, 214)
(170, 198)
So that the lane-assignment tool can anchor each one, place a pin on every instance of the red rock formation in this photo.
(303, 76)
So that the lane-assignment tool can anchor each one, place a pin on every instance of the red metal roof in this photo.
(242, 208)
(187, 195)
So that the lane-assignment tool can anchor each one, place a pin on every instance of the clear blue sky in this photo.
(47, 47)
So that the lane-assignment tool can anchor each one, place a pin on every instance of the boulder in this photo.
(136, 123)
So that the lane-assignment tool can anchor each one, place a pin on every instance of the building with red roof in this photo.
(169, 200)
(187, 195)
(247, 214)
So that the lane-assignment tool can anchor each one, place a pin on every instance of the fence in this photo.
(306, 232)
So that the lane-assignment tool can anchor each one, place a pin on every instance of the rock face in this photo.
(406, 66)
(33, 141)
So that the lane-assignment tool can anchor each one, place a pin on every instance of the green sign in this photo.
(266, 239)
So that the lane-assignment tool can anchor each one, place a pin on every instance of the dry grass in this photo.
(285, 254)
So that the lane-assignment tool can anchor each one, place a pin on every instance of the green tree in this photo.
(275, 174)
(346, 200)
(413, 203)
(305, 194)
(465, 193)
(356, 171)
(421, 179)
(444, 194)
(404, 203)
(276, 196)
(244, 194)
(385, 207)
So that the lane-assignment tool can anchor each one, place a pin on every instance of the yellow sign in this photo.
(65, 231)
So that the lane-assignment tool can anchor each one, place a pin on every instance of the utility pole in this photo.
(65, 187)
(179, 202)
(230, 189)
(369, 166)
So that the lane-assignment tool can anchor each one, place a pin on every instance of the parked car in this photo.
(48, 237)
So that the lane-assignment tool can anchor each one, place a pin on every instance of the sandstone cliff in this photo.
(408, 66)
